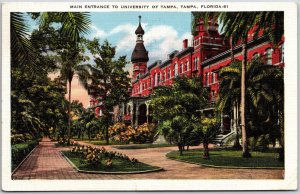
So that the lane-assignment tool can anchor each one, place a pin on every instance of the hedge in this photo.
(20, 151)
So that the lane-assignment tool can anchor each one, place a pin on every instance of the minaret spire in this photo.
(140, 17)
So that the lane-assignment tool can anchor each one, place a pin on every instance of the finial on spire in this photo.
(139, 29)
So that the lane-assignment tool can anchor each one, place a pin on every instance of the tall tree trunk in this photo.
(69, 114)
(180, 148)
(106, 115)
(231, 49)
(246, 152)
(205, 151)
(237, 145)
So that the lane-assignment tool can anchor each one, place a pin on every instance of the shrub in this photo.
(260, 143)
(20, 151)
(144, 133)
(119, 132)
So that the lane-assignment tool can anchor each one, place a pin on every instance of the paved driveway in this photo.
(47, 163)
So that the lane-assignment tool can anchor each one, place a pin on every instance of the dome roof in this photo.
(139, 54)
(139, 30)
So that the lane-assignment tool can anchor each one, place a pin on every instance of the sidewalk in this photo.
(46, 162)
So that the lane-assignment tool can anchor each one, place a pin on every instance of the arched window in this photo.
(187, 65)
(141, 87)
(158, 78)
(155, 79)
(196, 63)
(181, 68)
(175, 70)
(269, 56)
(255, 56)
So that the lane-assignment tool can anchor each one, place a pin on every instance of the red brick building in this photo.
(208, 52)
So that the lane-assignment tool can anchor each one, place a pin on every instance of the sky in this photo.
(164, 32)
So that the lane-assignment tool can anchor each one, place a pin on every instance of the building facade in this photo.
(203, 57)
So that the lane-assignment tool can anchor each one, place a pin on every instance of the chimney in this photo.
(185, 43)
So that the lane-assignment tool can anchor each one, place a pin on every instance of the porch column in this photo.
(235, 118)
(129, 108)
(147, 111)
(137, 115)
(222, 127)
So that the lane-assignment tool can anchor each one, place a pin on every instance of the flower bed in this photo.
(89, 159)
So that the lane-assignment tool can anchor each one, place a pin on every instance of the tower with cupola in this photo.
(139, 57)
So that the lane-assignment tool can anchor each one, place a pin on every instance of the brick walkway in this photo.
(47, 163)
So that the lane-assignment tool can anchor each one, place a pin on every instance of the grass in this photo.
(143, 146)
(230, 158)
(103, 142)
(119, 165)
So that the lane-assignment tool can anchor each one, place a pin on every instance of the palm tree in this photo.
(262, 94)
(73, 26)
(272, 23)
(21, 48)
(237, 25)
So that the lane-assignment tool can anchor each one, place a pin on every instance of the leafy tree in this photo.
(263, 95)
(176, 108)
(72, 26)
(209, 129)
(30, 96)
(32, 59)
(107, 80)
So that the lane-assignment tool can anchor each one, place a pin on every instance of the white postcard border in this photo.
(291, 134)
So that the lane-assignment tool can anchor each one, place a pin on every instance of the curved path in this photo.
(46, 162)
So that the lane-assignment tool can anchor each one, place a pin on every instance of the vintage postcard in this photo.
(141, 96)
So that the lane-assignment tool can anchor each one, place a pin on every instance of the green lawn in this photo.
(103, 142)
(119, 165)
(143, 146)
(230, 158)
(96, 142)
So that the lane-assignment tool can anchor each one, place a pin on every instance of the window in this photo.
(181, 68)
(214, 77)
(269, 56)
(169, 73)
(187, 65)
(195, 63)
(158, 78)
(213, 97)
(165, 75)
(141, 88)
(206, 79)
(255, 56)
(175, 70)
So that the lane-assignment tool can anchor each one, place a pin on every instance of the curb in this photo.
(105, 172)
(224, 167)
(15, 170)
